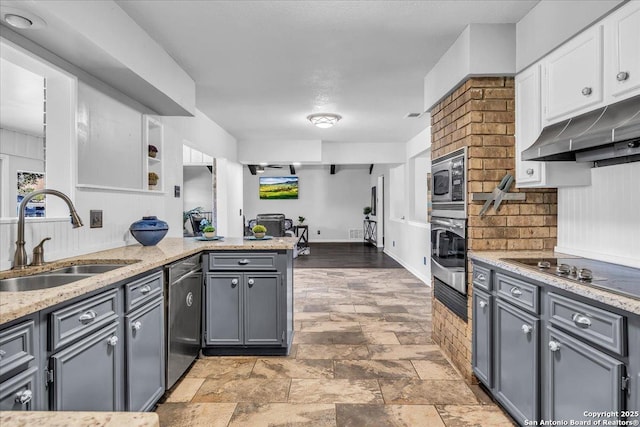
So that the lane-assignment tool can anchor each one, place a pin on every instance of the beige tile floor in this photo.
(362, 356)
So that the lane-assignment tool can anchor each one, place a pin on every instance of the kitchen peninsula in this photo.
(116, 320)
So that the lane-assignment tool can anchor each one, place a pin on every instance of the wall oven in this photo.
(449, 185)
(449, 263)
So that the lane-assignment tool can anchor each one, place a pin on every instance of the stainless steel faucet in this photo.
(20, 257)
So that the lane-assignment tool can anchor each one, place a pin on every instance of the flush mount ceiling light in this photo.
(324, 120)
(21, 19)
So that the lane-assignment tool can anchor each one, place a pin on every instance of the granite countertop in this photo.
(495, 259)
(78, 419)
(14, 305)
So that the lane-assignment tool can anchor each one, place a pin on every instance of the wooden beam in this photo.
(333, 169)
(292, 169)
(370, 168)
(252, 169)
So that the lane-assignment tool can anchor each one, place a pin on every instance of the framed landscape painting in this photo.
(278, 187)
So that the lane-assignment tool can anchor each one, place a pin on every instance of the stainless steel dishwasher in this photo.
(184, 314)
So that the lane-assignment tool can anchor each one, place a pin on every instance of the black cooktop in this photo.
(588, 272)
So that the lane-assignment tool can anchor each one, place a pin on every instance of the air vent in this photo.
(356, 234)
(413, 115)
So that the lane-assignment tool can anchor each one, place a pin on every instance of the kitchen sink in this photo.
(57, 277)
(39, 281)
(87, 269)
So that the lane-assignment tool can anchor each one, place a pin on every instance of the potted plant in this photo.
(301, 220)
(366, 211)
(153, 151)
(209, 231)
(259, 231)
(153, 180)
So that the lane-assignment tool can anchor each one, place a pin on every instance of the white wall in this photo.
(197, 187)
(330, 203)
(601, 221)
(551, 23)
(408, 240)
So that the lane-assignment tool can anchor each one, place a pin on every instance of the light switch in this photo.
(95, 219)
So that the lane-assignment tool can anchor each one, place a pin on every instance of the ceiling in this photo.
(261, 67)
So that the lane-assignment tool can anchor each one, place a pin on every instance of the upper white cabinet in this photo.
(528, 127)
(622, 53)
(572, 77)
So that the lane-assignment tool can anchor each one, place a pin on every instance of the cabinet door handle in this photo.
(483, 304)
(87, 317)
(136, 325)
(23, 397)
(622, 76)
(2, 353)
(145, 289)
(251, 282)
(234, 283)
(526, 329)
(244, 261)
(516, 292)
(554, 346)
(586, 91)
(581, 320)
(112, 341)
(530, 171)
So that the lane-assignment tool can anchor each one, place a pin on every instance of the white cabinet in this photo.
(528, 128)
(153, 152)
(622, 53)
(572, 80)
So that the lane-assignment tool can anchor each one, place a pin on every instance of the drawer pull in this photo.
(530, 171)
(622, 76)
(483, 304)
(581, 320)
(516, 292)
(526, 329)
(145, 289)
(586, 91)
(244, 261)
(554, 346)
(2, 353)
(234, 283)
(136, 326)
(112, 341)
(251, 282)
(23, 397)
(481, 277)
(87, 317)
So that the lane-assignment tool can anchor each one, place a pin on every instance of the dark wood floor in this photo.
(344, 255)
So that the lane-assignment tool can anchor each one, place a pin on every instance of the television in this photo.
(278, 187)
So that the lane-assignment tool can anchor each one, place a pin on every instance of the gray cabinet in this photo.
(262, 323)
(516, 361)
(224, 309)
(88, 374)
(482, 353)
(248, 307)
(20, 367)
(144, 356)
(19, 392)
(243, 308)
(580, 377)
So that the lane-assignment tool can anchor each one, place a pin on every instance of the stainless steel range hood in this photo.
(608, 135)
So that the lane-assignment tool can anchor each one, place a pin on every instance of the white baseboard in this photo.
(426, 279)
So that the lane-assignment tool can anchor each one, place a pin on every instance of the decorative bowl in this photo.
(149, 230)
(259, 235)
(209, 234)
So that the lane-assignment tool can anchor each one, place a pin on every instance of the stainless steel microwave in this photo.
(449, 185)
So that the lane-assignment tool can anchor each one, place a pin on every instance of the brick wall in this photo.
(480, 115)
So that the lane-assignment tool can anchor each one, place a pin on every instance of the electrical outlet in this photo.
(394, 243)
(318, 231)
(95, 219)
(176, 191)
(424, 260)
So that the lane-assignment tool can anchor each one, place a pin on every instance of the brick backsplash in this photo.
(479, 114)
